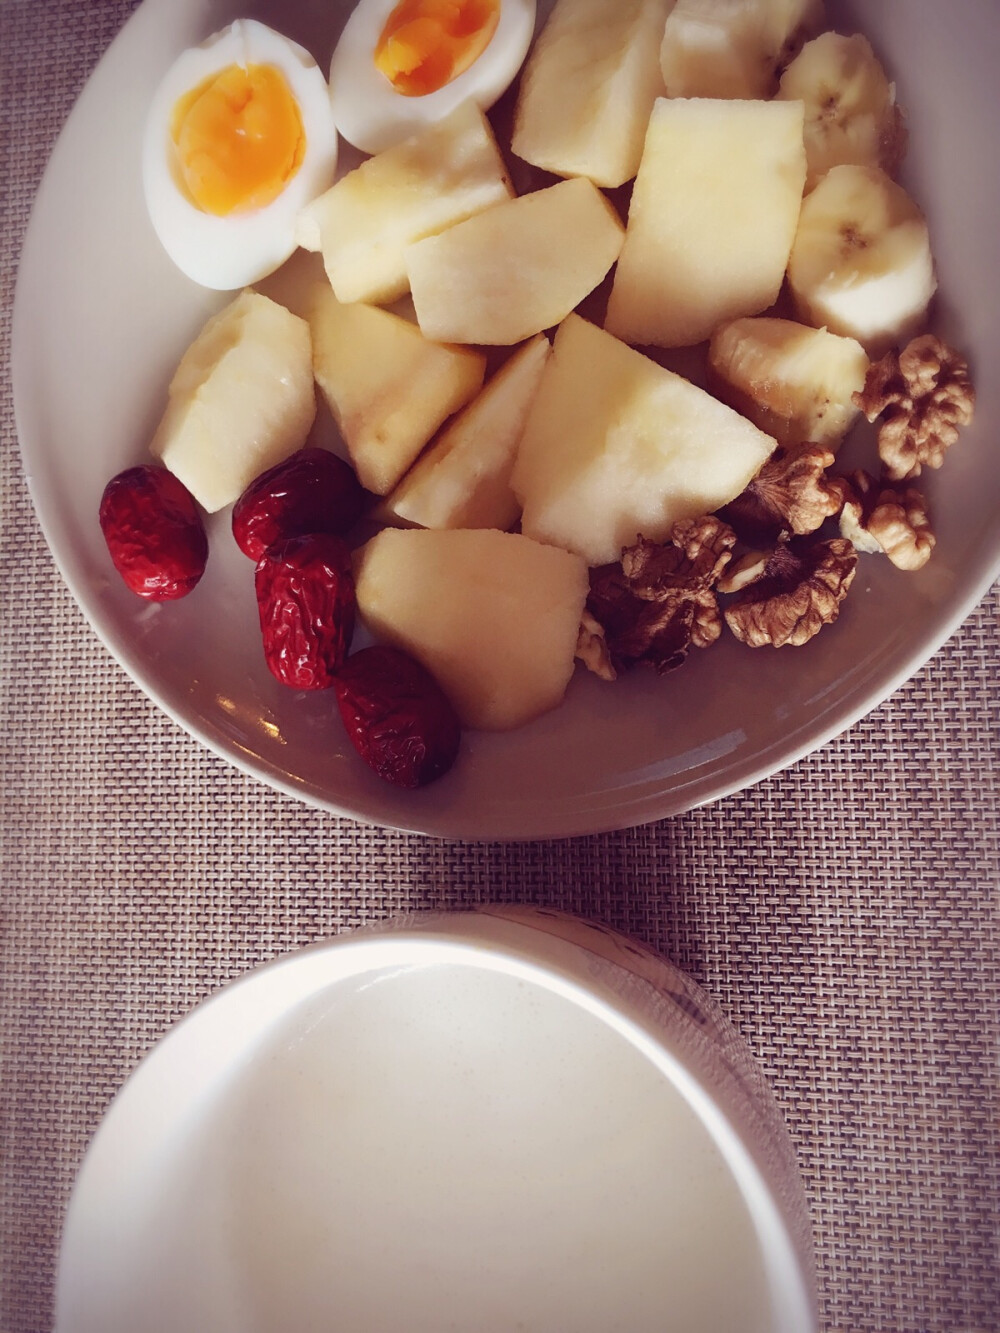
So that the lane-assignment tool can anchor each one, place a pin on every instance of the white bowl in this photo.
(102, 317)
(481, 1121)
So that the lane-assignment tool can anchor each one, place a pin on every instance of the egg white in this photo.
(370, 113)
(234, 251)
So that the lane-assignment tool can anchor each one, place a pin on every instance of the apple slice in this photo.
(463, 479)
(733, 48)
(616, 447)
(388, 387)
(241, 400)
(365, 223)
(516, 269)
(712, 218)
(589, 87)
(297, 284)
(494, 616)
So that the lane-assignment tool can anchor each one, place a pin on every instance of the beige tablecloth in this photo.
(853, 939)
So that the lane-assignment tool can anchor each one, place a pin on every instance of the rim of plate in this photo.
(647, 800)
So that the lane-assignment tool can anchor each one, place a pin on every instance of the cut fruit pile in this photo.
(582, 501)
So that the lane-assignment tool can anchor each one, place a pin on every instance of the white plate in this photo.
(467, 1121)
(101, 317)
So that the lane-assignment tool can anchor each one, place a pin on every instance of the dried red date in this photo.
(305, 596)
(397, 716)
(154, 532)
(312, 491)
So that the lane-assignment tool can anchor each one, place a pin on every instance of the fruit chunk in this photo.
(732, 48)
(712, 219)
(312, 491)
(492, 615)
(366, 222)
(588, 89)
(297, 283)
(388, 387)
(305, 598)
(851, 111)
(616, 446)
(516, 269)
(397, 717)
(242, 399)
(463, 479)
(794, 382)
(861, 264)
(154, 533)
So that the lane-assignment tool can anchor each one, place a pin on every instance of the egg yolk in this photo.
(238, 138)
(425, 44)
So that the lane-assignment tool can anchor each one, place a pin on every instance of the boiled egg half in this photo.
(400, 66)
(239, 138)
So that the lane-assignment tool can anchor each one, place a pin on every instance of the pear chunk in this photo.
(616, 446)
(241, 400)
(463, 479)
(732, 48)
(366, 222)
(520, 267)
(297, 284)
(589, 87)
(388, 387)
(712, 218)
(492, 615)
(794, 382)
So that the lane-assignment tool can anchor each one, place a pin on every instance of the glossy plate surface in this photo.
(102, 317)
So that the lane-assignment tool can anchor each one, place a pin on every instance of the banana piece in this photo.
(733, 48)
(861, 261)
(851, 111)
(793, 382)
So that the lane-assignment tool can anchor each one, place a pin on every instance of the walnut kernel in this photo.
(592, 648)
(659, 601)
(887, 520)
(791, 493)
(798, 590)
(924, 395)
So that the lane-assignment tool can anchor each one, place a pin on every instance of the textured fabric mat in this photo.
(844, 912)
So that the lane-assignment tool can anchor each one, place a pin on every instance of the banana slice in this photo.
(793, 382)
(732, 48)
(851, 111)
(861, 261)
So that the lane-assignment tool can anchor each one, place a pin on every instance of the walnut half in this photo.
(788, 595)
(791, 493)
(660, 602)
(592, 648)
(888, 520)
(924, 395)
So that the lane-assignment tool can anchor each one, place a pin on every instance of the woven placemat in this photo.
(843, 912)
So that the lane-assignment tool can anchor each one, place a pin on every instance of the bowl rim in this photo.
(645, 802)
(517, 943)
